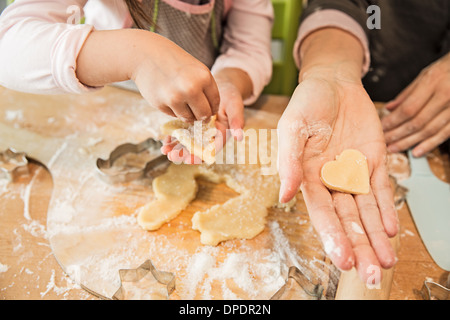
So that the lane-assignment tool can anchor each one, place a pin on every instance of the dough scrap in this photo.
(241, 217)
(174, 190)
(348, 173)
(198, 138)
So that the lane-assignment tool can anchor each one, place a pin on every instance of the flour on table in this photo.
(3, 267)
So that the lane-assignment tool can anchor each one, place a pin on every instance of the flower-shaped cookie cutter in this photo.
(12, 164)
(127, 174)
(144, 270)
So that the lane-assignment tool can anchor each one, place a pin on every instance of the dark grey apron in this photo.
(198, 34)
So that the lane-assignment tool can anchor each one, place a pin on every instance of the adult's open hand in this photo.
(325, 116)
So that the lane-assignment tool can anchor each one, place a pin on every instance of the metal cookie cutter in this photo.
(105, 167)
(435, 291)
(312, 290)
(144, 270)
(12, 164)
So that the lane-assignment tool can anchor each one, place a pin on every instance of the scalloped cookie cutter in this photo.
(12, 164)
(103, 166)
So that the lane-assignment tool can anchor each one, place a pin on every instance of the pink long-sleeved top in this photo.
(335, 19)
(40, 41)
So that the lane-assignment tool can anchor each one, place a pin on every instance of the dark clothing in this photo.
(413, 34)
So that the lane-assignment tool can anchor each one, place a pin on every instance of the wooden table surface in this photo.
(28, 270)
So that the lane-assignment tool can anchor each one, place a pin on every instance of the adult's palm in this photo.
(323, 118)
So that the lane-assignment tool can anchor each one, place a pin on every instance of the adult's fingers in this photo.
(434, 133)
(382, 190)
(371, 219)
(435, 140)
(433, 107)
(400, 98)
(323, 216)
(348, 214)
(292, 137)
(412, 104)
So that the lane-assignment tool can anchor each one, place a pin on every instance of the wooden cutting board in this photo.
(92, 225)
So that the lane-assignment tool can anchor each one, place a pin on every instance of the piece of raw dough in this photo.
(348, 173)
(244, 216)
(173, 190)
(198, 138)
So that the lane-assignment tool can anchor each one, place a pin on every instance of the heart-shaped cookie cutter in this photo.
(130, 173)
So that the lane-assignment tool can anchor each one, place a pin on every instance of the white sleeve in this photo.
(39, 45)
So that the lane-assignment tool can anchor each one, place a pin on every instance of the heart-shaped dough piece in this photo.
(348, 173)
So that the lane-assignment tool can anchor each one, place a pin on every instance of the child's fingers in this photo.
(165, 109)
(183, 112)
(168, 144)
(212, 95)
(200, 107)
(177, 154)
(236, 121)
(221, 136)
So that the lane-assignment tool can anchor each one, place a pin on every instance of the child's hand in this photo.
(230, 118)
(173, 81)
(230, 122)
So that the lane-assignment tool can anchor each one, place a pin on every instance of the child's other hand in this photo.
(231, 111)
(173, 81)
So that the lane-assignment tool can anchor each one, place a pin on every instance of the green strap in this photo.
(155, 15)
(213, 30)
